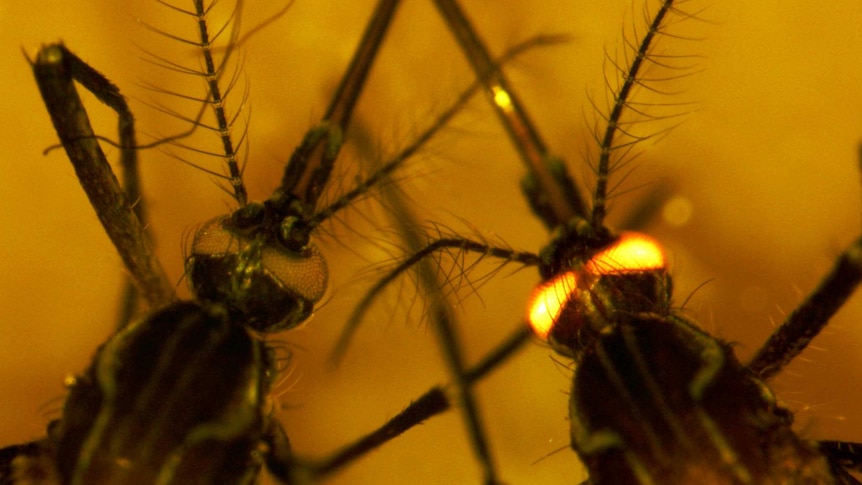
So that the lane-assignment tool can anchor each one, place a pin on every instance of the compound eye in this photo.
(632, 252)
(548, 302)
(266, 285)
(559, 309)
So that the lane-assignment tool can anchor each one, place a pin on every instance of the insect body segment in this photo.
(657, 401)
(179, 399)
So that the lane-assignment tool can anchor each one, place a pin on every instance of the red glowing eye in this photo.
(548, 301)
(633, 252)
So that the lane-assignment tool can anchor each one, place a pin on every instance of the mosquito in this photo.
(562, 75)
(180, 395)
(651, 391)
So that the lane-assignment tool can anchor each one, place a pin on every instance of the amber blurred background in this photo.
(763, 161)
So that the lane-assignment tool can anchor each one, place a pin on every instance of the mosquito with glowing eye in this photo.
(180, 395)
(654, 400)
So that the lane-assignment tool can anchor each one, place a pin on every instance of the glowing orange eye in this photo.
(632, 252)
(547, 303)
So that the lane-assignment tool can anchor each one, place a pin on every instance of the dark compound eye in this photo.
(266, 285)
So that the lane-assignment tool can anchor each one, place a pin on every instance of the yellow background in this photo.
(765, 153)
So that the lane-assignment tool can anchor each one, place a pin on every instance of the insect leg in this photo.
(438, 245)
(554, 197)
(433, 402)
(55, 69)
(844, 453)
(812, 315)
(310, 165)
